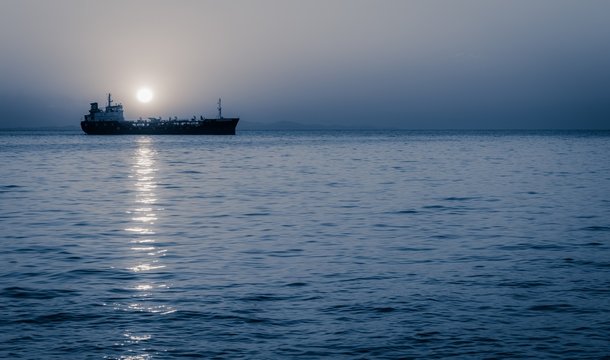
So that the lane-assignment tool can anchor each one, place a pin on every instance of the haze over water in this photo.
(417, 64)
(305, 244)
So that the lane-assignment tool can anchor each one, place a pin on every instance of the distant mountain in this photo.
(281, 125)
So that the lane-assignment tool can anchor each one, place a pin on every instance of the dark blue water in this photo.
(304, 244)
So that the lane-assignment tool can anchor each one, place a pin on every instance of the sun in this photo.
(144, 95)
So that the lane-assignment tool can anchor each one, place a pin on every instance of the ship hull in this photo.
(224, 126)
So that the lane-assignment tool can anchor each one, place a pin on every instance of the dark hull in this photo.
(225, 126)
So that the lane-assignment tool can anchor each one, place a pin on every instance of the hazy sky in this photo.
(398, 64)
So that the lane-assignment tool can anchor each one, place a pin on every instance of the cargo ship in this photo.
(111, 122)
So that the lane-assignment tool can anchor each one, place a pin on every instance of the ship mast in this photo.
(109, 100)
(219, 109)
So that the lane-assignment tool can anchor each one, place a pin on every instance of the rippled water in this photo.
(305, 244)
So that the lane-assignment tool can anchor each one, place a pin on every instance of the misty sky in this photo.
(393, 64)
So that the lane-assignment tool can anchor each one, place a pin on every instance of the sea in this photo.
(305, 244)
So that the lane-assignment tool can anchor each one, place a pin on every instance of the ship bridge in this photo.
(112, 112)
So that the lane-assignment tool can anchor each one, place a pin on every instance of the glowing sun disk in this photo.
(144, 95)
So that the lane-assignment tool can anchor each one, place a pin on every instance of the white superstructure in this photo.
(112, 112)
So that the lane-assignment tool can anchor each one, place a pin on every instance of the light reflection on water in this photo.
(145, 259)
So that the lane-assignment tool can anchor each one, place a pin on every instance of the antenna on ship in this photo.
(219, 109)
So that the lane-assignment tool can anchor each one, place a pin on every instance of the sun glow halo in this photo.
(144, 95)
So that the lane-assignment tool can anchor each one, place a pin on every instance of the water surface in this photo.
(305, 244)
